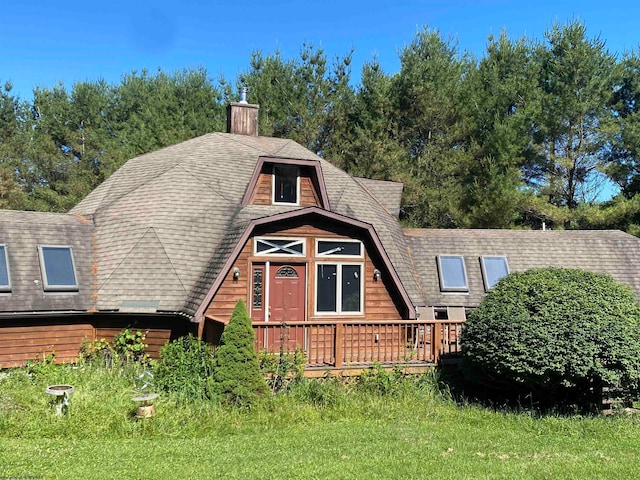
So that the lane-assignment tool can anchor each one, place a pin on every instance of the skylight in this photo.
(5, 280)
(493, 269)
(58, 270)
(452, 273)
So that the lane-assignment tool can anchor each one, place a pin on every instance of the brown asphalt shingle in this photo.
(22, 232)
(607, 251)
(167, 221)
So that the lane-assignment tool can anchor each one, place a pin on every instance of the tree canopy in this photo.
(535, 130)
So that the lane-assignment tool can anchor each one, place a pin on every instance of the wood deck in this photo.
(353, 345)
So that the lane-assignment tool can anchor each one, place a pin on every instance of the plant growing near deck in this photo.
(98, 350)
(558, 335)
(236, 374)
(130, 346)
(185, 368)
(281, 368)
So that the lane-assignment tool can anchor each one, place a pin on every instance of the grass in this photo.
(313, 432)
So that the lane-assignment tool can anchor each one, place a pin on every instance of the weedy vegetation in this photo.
(381, 424)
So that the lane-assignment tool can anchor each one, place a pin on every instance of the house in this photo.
(175, 237)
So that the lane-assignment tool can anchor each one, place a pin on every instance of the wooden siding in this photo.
(378, 302)
(242, 119)
(157, 330)
(263, 195)
(31, 339)
(23, 342)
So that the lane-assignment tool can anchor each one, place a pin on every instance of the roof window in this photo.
(452, 273)
(493, 269)
(58, 269)
(5, 279)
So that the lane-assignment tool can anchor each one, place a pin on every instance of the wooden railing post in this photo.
(339, 332)
(437, 341)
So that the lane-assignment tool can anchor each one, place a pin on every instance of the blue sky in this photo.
(44, 42)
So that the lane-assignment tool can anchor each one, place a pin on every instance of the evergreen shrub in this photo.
(555, 335)
(237, 377)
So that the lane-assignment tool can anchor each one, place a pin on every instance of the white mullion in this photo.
(266, 290)
(339, 288)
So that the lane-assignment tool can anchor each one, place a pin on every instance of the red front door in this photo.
(287, 293)
(287, 303)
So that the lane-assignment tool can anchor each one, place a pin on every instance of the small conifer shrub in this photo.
(236, 374)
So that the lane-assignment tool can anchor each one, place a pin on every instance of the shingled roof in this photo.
(166, 221)
(22, 233)
(389, 194)
(607, 251)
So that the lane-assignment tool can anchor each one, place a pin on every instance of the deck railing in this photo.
(359, 343)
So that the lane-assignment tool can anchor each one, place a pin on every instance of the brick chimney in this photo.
(242, 117)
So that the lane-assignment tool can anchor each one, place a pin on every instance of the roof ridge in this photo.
(142, 237)
(114, 269)
(237, 140)
(191, 174)
(105, 204)
(164, 251)
(364, 187)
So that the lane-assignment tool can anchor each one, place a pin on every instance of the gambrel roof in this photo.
(166, 221)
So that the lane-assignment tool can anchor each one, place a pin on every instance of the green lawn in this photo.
(414, 434)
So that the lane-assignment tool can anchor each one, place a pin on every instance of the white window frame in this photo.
(485, 280)
(443, 287)
(339, 266)
(6, 288)
(273, 184)
(48, 287)
(275, 251)
(337, 255)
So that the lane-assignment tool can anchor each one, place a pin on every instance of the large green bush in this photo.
(557, 334)
(237, 377)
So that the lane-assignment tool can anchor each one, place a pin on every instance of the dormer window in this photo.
(5, 280)
(58, 269)
(286, 184)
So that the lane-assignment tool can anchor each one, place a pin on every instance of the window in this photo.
(286, 184)
(58, 270)
(5, 280)
(452, 273)
(339, 248)
(338, 288)
(493, 269)
(279, 246)
(258, 276)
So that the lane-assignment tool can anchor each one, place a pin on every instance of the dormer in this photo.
(287, 181)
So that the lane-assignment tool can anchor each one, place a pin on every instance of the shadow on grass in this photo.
(503, 396)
